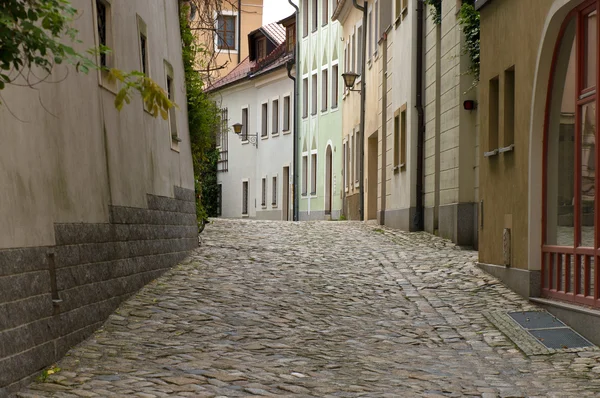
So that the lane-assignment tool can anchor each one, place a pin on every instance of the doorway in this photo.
(328, 180)
(372, 177)
(285, 201)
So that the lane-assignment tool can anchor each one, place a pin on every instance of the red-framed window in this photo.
(570, 226)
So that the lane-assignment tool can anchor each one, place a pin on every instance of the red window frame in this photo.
(556, 260)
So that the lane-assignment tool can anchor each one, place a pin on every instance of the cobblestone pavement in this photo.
(324, 309)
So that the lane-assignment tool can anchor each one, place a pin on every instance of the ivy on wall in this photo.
(436, 10)
(468, 18)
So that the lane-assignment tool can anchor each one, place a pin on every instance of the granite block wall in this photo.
(52, 298)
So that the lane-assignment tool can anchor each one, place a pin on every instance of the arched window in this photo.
(570, 225)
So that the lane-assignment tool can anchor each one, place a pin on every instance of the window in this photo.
(304, 174)
(245, 126)
(274, 199)
(313, 109)
(396, 142)
(172, 114)
(398, 10)
(351, 159)
(265, 120)
(324, 89)
(261, 48)
(313, 169)
(404, 7)
(315, 15)
(245, 198)
(334, 86)
(403, 134)
(102, 20)
(509, 107)
(143, 37)
(275, 117)
(494, 110)
(376, 29)
(226, 32)
(325, 11)
(353, 53)
(400, 134)
(286, 113)
(291, 38)
(223, 142)
(370, 34)
(263, 202)
(219, 200)
(359, 50)
(305, 97)
(304, 18)
(346, 62)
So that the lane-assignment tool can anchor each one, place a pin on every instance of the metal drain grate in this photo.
(549, 331)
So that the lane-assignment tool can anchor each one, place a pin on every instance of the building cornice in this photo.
(479, 4)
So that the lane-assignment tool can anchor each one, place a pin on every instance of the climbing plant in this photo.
(204, 121)
(436, 10)
(36, 36)
(468, 18)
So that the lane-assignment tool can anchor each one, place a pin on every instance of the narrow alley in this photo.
(323, 309)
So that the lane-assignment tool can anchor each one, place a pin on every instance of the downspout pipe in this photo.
(418, 222)
(363, 93)
(239, 29)
(295, 135)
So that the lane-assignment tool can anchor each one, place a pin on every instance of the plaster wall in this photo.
(274, 152)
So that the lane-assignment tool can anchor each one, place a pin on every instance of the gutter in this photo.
(418, 221)
(295, 196)
(363, 93)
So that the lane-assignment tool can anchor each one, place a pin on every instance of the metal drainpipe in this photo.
(418, 222)
(363, 79)
(295, 196)
(239, 53)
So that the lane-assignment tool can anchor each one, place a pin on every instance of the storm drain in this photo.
(538, 332)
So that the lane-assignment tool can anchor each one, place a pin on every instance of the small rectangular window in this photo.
(353, 53)
(291, 38)
(494, 87)
(315, 15)
(396, 141)
(359, 50)
(102, 22)
(226, 26)
(304, 174)
(313, 169)
(376, 30)
(345, 165)
(274, 199)
(261, 48)
(324, 89)
(325, 12)
(351, 159)
(245, 198)
(286, 113)
(305, 97)
(357, 158)
(264, 120)
(334, 86)
(404, 9)
(370, 33)
(275, 117)
(313, 108)
(245, 126)
(172, 114)
(144, 53)
(264, 192)
(304, 5)
(398, 9)
(509, 107)
(403, 134)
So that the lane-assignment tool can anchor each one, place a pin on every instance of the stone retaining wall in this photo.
(52, 298)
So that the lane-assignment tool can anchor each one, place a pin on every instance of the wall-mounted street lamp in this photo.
(350, 79)
(253, 139)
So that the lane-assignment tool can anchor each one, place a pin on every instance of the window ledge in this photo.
(175, 149)
(506, 149)
(490, 153)
(274, 205)
(264, 137)
(264, 206)
(304, 194)
(275, 134)
(286, 132)
(226, 51)
(245, 215)
(397, 21)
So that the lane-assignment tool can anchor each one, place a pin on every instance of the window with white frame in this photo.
(345, 168)
(353, 53)
(172, 114)
(325, 12)
(143, 42)
(335, 78)
(305, 97)
(104, 29)
(275, 117)
(274, 188)
(324, 89)
(226, 32)
(263, 202)
(359, 50)
(245, 126)
(370, 33)
(315, 15)
(286, 113)
(376, 30)
(313, 109)
(357, 158)
(304, 5)
(264, 120)
(313, 169)
(304, 174)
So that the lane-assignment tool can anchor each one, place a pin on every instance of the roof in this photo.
(249, 69)
(479, 4)
(274, 32)
(288, 20)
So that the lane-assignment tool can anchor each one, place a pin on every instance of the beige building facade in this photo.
(95, 202)
(225, 37)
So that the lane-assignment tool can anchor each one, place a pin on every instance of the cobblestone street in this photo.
(323, 309)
